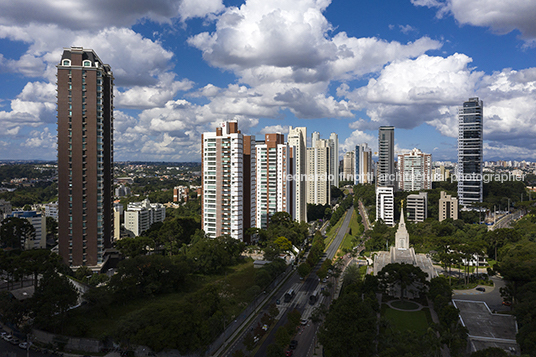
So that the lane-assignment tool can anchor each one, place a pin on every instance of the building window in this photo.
(66, 62)
(86, 63)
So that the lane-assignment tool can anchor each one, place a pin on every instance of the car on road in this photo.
(23, 345)
(288, 353)
(256, 339)
(481, 289)
(277, 302)
(507, 303)
(303, 321)
(265, 327)
(293, 344)
(14, 341)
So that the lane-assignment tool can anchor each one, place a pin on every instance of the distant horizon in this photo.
(199, 162)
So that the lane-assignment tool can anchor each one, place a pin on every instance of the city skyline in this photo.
(181, 68)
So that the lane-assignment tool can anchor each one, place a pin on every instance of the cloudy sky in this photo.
(348, 67)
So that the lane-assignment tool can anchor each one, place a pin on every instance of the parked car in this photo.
(14, 341)
(288, 353)
(481, 289)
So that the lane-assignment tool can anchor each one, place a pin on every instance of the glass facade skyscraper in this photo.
(470, 151)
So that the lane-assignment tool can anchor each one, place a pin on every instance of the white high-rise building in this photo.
(139, 216)
(273, 163)
(297, 137)
(228, 198)
(470, 151)
(314, 137)
(334, 158)
(385, 208)
(318, 169)
(415, 171)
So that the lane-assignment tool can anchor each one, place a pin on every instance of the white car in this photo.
(23, 345)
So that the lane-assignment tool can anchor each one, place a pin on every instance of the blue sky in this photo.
(348, 67)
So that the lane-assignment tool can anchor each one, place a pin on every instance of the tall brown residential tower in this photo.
(85, 157)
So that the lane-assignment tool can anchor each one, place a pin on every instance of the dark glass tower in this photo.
(470, 130)
(386, 156)
(85, 157)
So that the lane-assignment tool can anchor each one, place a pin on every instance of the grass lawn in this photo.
(356, 229)
(96, 324)
(330, 236)
(407, 320)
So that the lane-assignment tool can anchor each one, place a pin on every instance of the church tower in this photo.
(402, 235)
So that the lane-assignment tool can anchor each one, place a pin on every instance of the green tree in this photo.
(403, 277)
(52, 228)
(15, 231)
(52, 297)
(349, 328)
(36, 261)
(132, 247)
(284, 244)
(274, 350)
(304, 269)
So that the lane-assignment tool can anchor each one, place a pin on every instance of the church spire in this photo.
(402, 236)
(402, 222)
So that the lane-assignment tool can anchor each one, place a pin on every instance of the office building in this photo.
(297, 138)
(415, 171)
(85, 157)
(274, 191)
(334, 159)
(448, 207)
(226, 207)
(318, 169)
(385, 171)
(363, 164)
(39, 222)
(470, 151)
(385, 201)
(139, 216)
(417, 207)
(348, 166)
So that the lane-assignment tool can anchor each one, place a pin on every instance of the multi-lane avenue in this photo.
(303, 290)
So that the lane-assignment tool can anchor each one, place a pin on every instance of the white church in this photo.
(403, 253)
